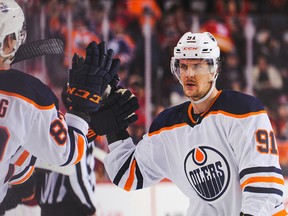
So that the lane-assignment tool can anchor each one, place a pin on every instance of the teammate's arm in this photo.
(66, 135)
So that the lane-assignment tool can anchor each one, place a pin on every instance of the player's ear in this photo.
(211, 77)
(9, 43)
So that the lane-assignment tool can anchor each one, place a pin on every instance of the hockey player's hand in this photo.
(116, 113)
(89, 77)
(67, 102)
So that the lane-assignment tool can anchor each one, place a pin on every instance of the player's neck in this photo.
(202, 107)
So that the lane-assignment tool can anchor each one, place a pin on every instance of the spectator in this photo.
(267, 44)
(120, 40)
(232, 76)
(80, 37)
(174, 23)
(136, 85)
(281, 125)
(267, 81)
(221, 32)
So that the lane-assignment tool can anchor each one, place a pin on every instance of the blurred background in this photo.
(252, 35)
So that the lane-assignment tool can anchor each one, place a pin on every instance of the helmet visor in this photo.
(191, 66)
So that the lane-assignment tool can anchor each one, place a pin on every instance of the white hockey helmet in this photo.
(195, 46)
(12, 20)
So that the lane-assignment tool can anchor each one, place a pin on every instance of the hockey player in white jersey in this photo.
(218, 148)
(74, 194)
(31, 125)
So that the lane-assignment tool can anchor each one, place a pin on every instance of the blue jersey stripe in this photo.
(252, 170)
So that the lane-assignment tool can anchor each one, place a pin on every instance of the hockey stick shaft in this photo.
(98, 153)
(38, 48)
(67, 170)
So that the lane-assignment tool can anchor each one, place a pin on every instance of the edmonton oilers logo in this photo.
(208, 172)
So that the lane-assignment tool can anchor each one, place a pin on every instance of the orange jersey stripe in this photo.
(25, 177)
(190, 108)
(130, 179)
(235, 115)
(26, 199)
(281, 213)
(218, 94)
(210, 113)
(190, 113)
(167, 128)
(262, 179)
(28, 100)
(22, 158)
(80, 145)
(90, 133)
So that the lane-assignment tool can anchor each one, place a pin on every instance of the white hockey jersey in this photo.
(30, 124)
(225, 160)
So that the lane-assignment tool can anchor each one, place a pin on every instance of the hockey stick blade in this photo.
(38, 48)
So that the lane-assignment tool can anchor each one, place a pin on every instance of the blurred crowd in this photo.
(122, 24)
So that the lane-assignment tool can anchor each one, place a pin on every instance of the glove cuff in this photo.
(91, 135)
(121, 135)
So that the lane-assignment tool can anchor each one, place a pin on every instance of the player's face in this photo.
(196, 77)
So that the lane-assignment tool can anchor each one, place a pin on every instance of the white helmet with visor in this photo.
(197, 46)
(12, 21)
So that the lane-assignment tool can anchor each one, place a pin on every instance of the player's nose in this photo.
(190, 72)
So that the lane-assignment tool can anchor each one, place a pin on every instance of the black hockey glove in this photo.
(116, 113)
(89, 78)
(64, 94)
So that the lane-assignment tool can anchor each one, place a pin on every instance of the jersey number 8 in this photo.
(4, 136)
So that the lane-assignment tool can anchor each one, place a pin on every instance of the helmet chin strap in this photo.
(208, 94)
(8, 58)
